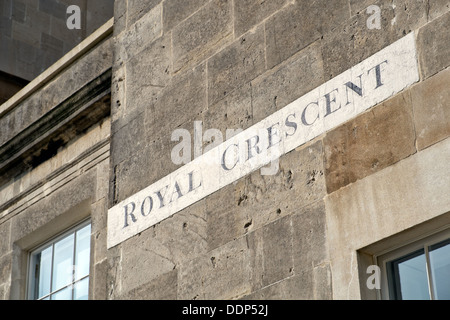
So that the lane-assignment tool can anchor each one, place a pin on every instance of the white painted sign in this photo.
(370, 82)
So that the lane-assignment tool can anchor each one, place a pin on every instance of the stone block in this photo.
(138, 35)
(5, 28)
(247, 14)
(163, 247)
(4, 291)
(163, 287)
(53, 8)
(147, 73)
(41, 21)
(278, 87)
(299, 182)
(98, 13)
(5, 235)
(5, 268)
(322, 282)
(120, 17)
(237, 64)
(357, 6)
(370, 142)
(309, 238)
(433, 45)
(351, 41)
(18, 11)
(138, 8)
(147, 260)
(298, 287)
(175, 11)
(431, 105)
(299, 24)
(202, 34)
(277, 250)
(396, 199)
(98, 280)
(22, 33)
(129, 140)
(140, 170)
(223, 273)
(232, 112)
(55, 204)
(437, 8)
(181, 102)
(224, 223)
(408, 14)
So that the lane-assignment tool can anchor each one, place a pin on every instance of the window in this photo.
(59, 270)
(419, 271)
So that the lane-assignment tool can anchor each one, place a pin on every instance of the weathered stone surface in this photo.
(237, 64)
(5, 235)
(351, 41)
(369, 143)
(224, 223)
(275, 89)
(433, 45)
(310, 238)
(138, 8)
(163, 287)
(437, 8)
(250, 13)
(180, 103)
(223, 273)
(299, 182)
(173, 13)
(164, 247)
(393, 200)
(298, 25)
(147, 73)
(5, 268)
(4, 291)
(407, 13)
(41, 213)
(137, 36)
(322, 282)
(356, 6)
(202, 33)
(98, 280)
(141, 169)
(233, 112)
(298, 287)
(431, 105)
(120, 16)
(128, 140)
(272, 247)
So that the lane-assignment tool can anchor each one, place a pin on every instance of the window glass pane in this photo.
(410, 277)
(65, 294)
(63, 263)
(81, 290)
(82, 254)
(44, 265)
(440, 269)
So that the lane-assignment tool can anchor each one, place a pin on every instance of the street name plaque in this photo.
(340, 99)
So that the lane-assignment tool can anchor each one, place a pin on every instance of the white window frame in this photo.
(422, 243)
(32, 256)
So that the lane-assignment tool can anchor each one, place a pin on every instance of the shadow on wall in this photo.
(34, 34)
